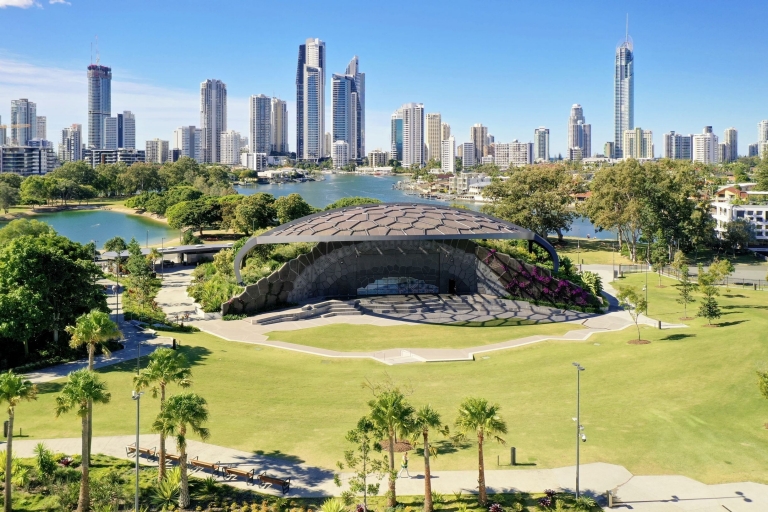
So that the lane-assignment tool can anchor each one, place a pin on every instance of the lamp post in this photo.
(137, 398)
(162, 257)
(579, 427)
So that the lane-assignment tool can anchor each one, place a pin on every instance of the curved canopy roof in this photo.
(393, 221)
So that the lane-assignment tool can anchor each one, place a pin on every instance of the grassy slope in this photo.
(351, 338)
(592, 252)
(687, 403)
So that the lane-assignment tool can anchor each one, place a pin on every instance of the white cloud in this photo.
(58, 2)
(24, 4)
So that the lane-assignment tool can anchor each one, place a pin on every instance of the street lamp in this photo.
(137, 398)
(115, 290)
(580, 436)
(162, 257)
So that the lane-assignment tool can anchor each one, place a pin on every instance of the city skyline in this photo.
(161, 100)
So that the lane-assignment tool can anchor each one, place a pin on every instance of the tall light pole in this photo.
(137, 398)
(580, 437)
(162, 257)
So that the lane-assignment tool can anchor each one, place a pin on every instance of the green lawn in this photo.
(686, 404)
(592, 252)
(354, 338)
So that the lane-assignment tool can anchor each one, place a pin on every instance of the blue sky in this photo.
(512, 66)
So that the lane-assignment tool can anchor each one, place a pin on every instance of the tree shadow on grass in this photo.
(677, 337)
(736, 296)
(45, 388)
(444, 446)
(747, 307)
(735, 322)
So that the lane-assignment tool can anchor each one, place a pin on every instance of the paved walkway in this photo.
(640, 493)
(172, 296)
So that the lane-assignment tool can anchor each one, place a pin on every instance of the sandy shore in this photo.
(80, 207)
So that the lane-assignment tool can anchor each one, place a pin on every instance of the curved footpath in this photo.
(640, 493)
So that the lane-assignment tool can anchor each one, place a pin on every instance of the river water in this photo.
(101, 225)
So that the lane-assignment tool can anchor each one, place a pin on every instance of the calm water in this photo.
(101, 225)
(336, 186)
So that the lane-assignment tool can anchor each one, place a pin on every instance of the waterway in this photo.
(100, 225)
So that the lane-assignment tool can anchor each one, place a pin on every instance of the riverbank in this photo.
(114, 205)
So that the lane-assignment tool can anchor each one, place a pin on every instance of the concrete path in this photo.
(172, 296)
(640, 493)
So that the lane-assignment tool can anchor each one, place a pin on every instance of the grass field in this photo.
(353, 338)
(687, 403)
(592, 252)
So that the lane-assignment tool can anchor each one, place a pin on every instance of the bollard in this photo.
(659, 324)
(610, 499)
(513, 455)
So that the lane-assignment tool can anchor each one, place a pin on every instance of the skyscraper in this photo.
(260, 117)
(445, 131)
(396, 136)
(359, 100)
(638, 143)
(413, 134)
(541, 144)
(478, 134)
(434, 137)
(231, 143)
(188, 139)
(213, 118)
(279, 124)
(731, 140)
(579, 132)
(448, 156)
(340, 154)
(120, 131)
(348, 94)
(762, 135)
(704, 148)
(623, 94)
(71, 147)
(3, 133)
(99, 103)
(468, 155)
(129, 130)
(42, 128)
(310, 101)
(156, 151)
(23, 121)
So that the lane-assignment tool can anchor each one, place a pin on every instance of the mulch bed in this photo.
(638, 342)
(400, 446)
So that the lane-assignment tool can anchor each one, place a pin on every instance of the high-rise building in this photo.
(188, 139)
(348, 93)
(120, 131)
(359, 99)
(279, 123)
(608, 150)
(231, 144)
(623, 94)
(445, 131)
(723, 152)
(677, 146)
(377, 158)
(340, 154)
(23, 121)
(413, 134)
(71, 146)
(99, 103)
(478, 134)
(704, 147)
(213, 118)
(520, 153)
(396, 135)
(328, 144)
(42, 128)
(434, 136)
(541, 144)
(762, 137)
(156, 151)
(260, 124)
(638, 144)
(731, 140)
(753, 150)
(574, 154)
(448, 155)
(310, 101)
(468, 155)
(579, 132)
(3, 133)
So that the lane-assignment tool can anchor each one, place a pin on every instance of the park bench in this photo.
(284, 484)
(172, 457)
(147, 452)
(233, 473)
(213, 467)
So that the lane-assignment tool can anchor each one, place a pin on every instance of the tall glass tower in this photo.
(310, 101)
(623, 94)
(99, 103)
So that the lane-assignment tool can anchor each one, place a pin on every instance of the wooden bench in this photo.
(172, 457)
(233, 473)
(147, 452)
(213, 467)
(284, 484)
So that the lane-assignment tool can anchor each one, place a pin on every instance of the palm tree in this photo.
(153, 256)
(13, 389)
(391, 414)
(183, 411)
(427, 418)
(165, 366)
(81, 390)
(478, 416)
(93, 329)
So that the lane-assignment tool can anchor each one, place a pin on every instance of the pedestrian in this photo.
(404, 466)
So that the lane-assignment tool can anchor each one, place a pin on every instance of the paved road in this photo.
(671, 493)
